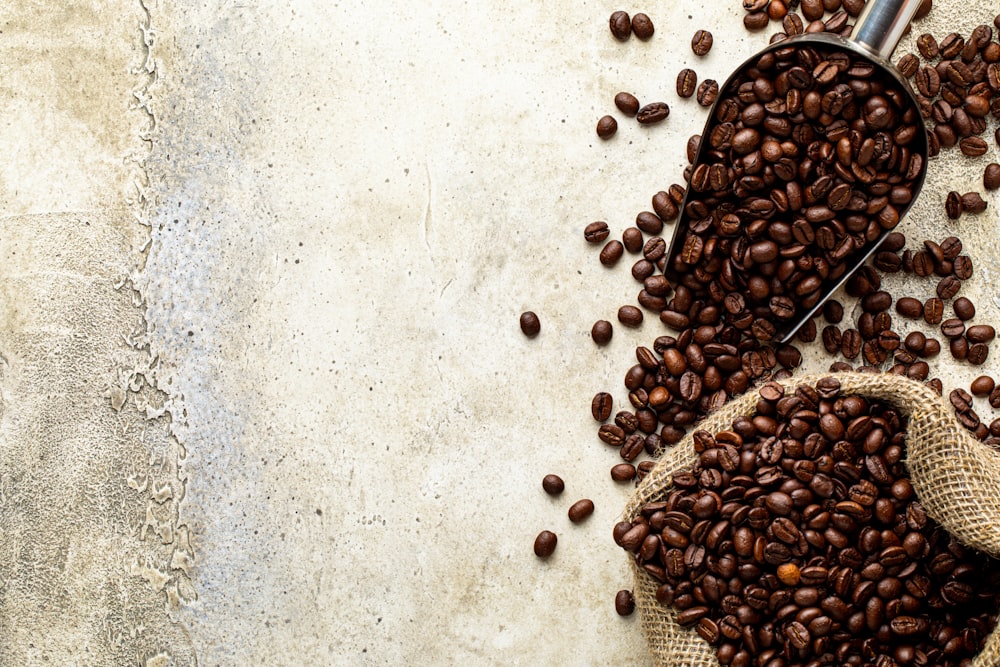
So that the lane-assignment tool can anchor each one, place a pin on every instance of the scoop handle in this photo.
(881, 24)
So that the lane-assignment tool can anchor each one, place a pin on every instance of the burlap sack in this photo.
(957, 479)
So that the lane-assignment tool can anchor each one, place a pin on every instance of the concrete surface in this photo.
(339, 213)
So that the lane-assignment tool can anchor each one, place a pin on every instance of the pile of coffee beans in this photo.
(797, 539)
(808, 161)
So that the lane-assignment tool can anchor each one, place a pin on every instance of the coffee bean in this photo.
(952, 328)
(630, 316)
(606, 127)
(530, 324)
(642, 26)
(933, 311)
(980, 333)
(596, 232)
(708, 91)
(962, 267)
(964, 309)
(654, 112)
(664, 206)
(701, 43)
(972, 202)
(627, 103)
(928, 46)
(687, 81)
(982, 385)
(624, 603)
(545, 544)
(948, 287)
(649, 222)
(580, 510)
(959, 348)
(973, 146)
(910, 308)
(633, 241)
(611, 253)
(553, 484)
(755, 20)
(623, 472)
(600, 406)
(953, 205)
(978, 352)
(991, 176)
(908, 65)
(621, 25)
(601, 333)
(833, 312)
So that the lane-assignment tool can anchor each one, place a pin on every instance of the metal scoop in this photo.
(874, 37)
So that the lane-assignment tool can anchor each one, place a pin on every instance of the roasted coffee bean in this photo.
(910, 308)
(980, 333)
(630, 316)
(982, 385)
(627, 103)
(953, 205)
(952, 328)
(530, 324)
(553, 485)
(928, 46)
(596, 232)
(964, 309)
(601, 406)
(833, 312)
(623, 472)
(606, 127)
(755, 20)
(653, 113)
(611, 253)
(948, 287)
(621, 25)
(633, 241)
(973, 146)
(933, 311)
(642, 26)
(701, 43)
(601, 333)
(991, 176)
(972, 202)
(687, 82)
(708, 91)
(580, 510)
(962, 267)
(545, 544)
(624, 603)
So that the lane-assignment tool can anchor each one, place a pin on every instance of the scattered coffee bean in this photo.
(624, 603)
(627, 103)
(910, 308)
(545, 544)
(596, 232)
(601, 332)
(687, 82)
(972, 202)
(553, 484)
(701, 43)
(623, 472)
(653, 113)
(606, 127)
(600, 406)
(642, 26)
(530, 325)
(630, 316)
(978, 353)
(611, 253)
(980, 333)
(632, 240)
(964, 309)
(983, 386)
(708, 91)
(933, 311)
(833, 312)
(580, 510)
(621, 25)
(991, 176)
(953, 205)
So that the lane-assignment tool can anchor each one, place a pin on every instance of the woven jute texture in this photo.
(956, 478)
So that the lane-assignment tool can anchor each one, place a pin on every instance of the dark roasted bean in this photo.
(545, 544)
(654, 112)
(580, 510)
(606, 127)
(621, 25)
(642, 26)
(627, 103)
(530, 324)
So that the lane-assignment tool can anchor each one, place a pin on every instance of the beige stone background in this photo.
(263, 398)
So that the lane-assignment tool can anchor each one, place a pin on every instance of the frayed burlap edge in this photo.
(956, 478)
